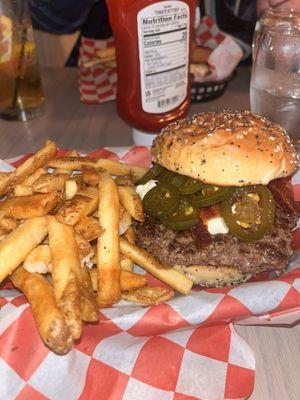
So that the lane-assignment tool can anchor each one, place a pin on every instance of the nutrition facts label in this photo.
(163, 34)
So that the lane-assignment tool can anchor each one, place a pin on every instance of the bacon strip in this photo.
(283, 195)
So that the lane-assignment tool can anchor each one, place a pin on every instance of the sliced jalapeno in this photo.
(161, 200)
(171, 178)
(249, 212)
(150, 174)
(190, 186)
(208, 196)
(184, 217)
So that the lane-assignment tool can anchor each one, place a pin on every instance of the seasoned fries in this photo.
(22, 190)
(19, 243)
(24, 207)
(125, 220)
(38, 259)
(29, 181)
(48, 183)
(132, 202)
(166, 274)
(90, 176)
(147, 294)
(65, 273)
(128, 280)
(49, 319)
(108, 253)
(113, 167)
(41, 158)
(71, 188)
(72, 219)
(88, 228)
(7, 224)
(126, 263)
(83, 203)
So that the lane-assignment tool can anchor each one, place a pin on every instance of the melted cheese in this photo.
(143, 189)
(217, 225)
(213, 221)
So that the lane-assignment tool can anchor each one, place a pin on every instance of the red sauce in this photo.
(123, 16)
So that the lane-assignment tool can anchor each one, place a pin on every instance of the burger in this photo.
(218, 200)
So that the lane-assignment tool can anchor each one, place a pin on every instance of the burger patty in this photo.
(179, 247)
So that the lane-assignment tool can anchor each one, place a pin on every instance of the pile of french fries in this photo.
(105, 57)
(68, 244)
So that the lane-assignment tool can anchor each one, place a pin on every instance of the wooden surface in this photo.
(76, 125)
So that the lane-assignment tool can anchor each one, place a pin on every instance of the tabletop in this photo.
(73, 124)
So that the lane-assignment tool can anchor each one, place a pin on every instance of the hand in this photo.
(287, 4)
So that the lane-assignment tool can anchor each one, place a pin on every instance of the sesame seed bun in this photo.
(226, 148)
(208, 276)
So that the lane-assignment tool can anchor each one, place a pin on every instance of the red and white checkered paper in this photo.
(97, 84)
(182, 350)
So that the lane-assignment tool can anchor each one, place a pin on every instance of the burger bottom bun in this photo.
(205, 275)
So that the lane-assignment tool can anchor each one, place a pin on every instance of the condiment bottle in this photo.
(153, 40)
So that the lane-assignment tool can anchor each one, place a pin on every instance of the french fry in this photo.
(71, 188)
(41, 158)
(73, 153)
(90, 311)
(84, 248)
(62, 171)
(47, 183)
(108, 52)
(166, 274)
(19, 243)
(7, 224)
(88, 228)
(49, 319)
(66, 273)
(113, 167)
(126, 180)
(71, 304)
(90, 176)
(130, 235)
(120, 169)
(125, 220)
(22, 190)
(85, 202)
(126, 263)
(38, 259)
(4, 175)
(132, 202)
(147, 294)
(108, 251)
(24, 207)
(128, 280)
(29, 181)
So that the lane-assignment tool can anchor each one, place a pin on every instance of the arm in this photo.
(60, 16)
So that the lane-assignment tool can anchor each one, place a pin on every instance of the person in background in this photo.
(238, 17)
(235, 17)
(287, 4)
(68, 16)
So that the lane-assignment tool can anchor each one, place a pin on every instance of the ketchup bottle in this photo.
(153, 40)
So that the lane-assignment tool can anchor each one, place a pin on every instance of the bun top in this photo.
(227, 148)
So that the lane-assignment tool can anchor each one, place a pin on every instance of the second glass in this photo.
(21, 94)
(275, 78)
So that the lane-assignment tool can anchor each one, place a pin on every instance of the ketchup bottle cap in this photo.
(141, 138)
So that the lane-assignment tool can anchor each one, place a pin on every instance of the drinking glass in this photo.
(21, 94)
(275, 77)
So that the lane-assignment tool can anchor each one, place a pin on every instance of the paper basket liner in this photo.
(182, 350)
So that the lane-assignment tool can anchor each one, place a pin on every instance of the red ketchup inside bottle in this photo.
(153, 40)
